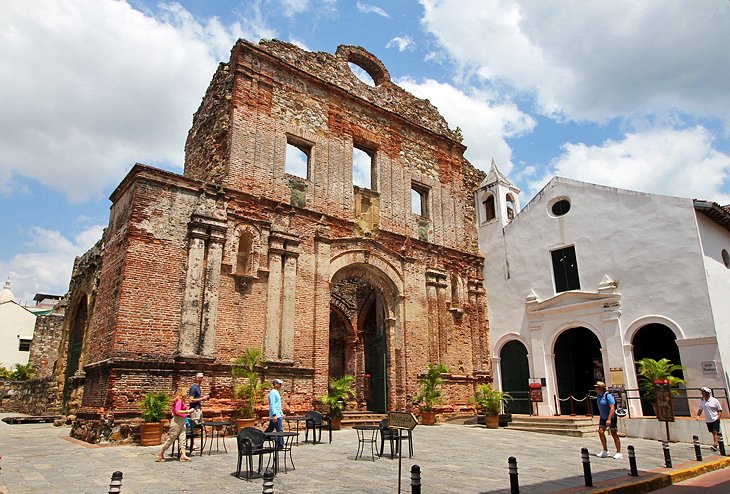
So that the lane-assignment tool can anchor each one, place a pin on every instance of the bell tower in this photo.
(497, 200)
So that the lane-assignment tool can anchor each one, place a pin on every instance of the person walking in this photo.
(276, 416)
(713, 412)
(196, 398)
(607, 411)
(177, 430)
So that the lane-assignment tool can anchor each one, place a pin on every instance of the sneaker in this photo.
(602, 454)
(714, 448)
(618, 456)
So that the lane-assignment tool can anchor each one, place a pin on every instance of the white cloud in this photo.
(485, 126)
(594, 60)
(401, 42)
(46, 267)
(294, 7)
(663, 161)
(106, 87)
(371, 9)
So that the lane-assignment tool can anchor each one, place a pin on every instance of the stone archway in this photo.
(75, 346)
(363, 313)
(578, 365)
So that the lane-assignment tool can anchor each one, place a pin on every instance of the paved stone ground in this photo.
(40, 458)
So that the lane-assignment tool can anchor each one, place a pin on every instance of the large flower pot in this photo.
(428, 418)
(150, 433)
(492, 421)
(242, 423)
(336, 424)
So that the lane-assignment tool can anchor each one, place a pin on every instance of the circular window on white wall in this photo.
(726, 258)
(559, 206)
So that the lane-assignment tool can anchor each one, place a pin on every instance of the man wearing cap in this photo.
(607, 411)
(196, 398)
(713, 412)
(276, 416)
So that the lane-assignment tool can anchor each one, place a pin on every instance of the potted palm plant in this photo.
(429, 392)
(489, 401)
(154, 407)
(335, 401)
(251, 390)
(650, 370)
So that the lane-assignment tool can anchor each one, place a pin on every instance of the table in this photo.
(288, 439)
(296, 419)
(217, 431)
(363, 439)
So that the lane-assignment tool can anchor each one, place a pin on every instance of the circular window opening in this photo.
(362, 74)
(726, 258)
(560, 207)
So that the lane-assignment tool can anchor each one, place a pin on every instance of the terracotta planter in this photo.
(428, 418)
(336, 424)
(241, 423)
(491, 421)
(150, 433)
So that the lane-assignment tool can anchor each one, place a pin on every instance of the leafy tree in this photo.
(429, 392)
(340, 390)
(650, 370)
(23, 372)
(246, 366)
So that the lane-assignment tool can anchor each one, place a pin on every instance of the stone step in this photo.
(557, 431)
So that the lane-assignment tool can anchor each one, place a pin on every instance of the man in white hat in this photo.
(196, 398)
(713, 412)
(607, 411)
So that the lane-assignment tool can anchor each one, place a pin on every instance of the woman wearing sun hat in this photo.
(713, 412)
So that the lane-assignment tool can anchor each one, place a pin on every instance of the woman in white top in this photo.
(713, 412)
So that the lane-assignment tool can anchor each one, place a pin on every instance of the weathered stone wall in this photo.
(46, 340)
(34, 397)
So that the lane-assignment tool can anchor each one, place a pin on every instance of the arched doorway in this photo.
(657, 341)
(75, 345)
(578, 365)
(359, 321)
(515, 372)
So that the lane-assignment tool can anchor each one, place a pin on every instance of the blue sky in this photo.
(621, 93)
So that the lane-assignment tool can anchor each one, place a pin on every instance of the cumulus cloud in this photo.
(107, 86)
(593, 61)
(294, 7)
(371, 9)
(485, 126)
(662, 161)
(47, 264)
(401, 42)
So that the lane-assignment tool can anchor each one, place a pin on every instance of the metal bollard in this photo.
(698, 451)
(415, 479)
(116, 484)
(721, 443)
(586, 467)
(514, 483)
(634, 472)
(667, 455)
(268, 483)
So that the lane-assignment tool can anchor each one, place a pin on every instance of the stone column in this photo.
(193, 298)
(273, 304)
(288, 299)
(210, 293)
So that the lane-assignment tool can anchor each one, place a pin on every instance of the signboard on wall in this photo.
(663, 402)
(709, 367)
(535, 390)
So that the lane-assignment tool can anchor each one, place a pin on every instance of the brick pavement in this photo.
(40, 458)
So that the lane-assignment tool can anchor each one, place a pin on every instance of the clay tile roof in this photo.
(718, 214)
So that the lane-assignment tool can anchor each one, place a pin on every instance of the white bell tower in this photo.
(497, 200)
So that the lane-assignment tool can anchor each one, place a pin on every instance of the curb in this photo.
(652, 480)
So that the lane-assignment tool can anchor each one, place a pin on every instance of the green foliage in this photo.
(4, 373)
(252, 390)
(340, 390)
(429, 391)
(20, 372)
(489, 400)
(154, 406)
(650, 369)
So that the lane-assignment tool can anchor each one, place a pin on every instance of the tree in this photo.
(650, 370)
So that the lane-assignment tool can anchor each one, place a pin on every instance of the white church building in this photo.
(587, 279)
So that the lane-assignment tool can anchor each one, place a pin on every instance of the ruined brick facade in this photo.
(325, 277)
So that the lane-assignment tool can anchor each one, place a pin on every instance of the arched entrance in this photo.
(515, 372)
(657, 341)
(360, 303)
(75, 345)
(578, 365)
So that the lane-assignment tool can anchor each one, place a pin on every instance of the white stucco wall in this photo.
(15, 322)
(648, 243)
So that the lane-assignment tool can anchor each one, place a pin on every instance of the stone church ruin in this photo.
(275, 238)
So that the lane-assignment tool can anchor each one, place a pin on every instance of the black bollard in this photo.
(667, 456)
(268, 483)
(721, 443)
(116, 484)
(514, 483)
(415, 479)
(632, 462)
(586, 467)
(698, 451)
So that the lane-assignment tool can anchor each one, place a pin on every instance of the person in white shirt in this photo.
(713, 412)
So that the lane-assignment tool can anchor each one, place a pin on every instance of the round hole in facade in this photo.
(362, 74)
(726, 258)
(560, 207)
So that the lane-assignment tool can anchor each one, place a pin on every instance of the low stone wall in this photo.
(35, 397)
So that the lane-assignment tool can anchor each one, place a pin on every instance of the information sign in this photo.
(664, 408)
(535, 392)
(402, 420)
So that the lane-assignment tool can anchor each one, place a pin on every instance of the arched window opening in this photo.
(510, 207)
(489, 210)
(244, 255)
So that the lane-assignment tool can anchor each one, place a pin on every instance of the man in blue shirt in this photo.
(276, 416)
(196, 398)
(607, 411)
